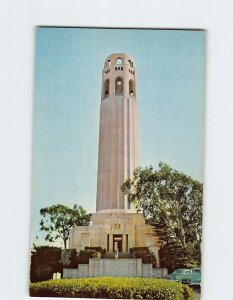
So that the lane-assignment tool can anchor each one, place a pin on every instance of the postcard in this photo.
(117, 171)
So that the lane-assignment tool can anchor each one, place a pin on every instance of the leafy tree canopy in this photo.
(59, 219)
(172, 203)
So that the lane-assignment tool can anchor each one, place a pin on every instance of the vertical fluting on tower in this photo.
(118, 131)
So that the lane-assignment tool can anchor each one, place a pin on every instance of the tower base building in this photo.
(115, 231)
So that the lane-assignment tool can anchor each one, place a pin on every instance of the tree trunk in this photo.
(181, 229)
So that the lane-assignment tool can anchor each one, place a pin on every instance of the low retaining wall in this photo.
(127, 267)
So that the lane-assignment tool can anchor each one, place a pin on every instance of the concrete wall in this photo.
(115, 267)
(127, 267)
(159, 273)
(73, 273)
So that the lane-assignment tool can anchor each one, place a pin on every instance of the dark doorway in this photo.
(117, 242)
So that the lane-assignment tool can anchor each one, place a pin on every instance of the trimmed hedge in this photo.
(98, 249)
(84, 255)
(146, 256)
(134, 249)
(112, 287)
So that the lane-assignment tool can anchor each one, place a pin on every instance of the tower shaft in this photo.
(118, 132)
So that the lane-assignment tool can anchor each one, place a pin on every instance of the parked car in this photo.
(193, 278)
(178, 274)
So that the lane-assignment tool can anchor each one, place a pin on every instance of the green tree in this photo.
(59, 219)
(45, 260)
(172, 203)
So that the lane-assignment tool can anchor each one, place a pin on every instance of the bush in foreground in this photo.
(112, 287)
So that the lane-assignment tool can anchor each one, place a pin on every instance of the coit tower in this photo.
(118, 132)
(116, 225)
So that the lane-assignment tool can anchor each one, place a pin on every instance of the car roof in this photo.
(181, 270)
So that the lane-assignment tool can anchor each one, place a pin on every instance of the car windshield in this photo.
(196, 270)
(180, 271)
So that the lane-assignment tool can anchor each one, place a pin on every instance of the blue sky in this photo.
(170, 68)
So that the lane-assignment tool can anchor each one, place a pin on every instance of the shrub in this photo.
(73, 257)
(140, 253)
(87, 253)
(112, 287)
(146, 256)
(98, 249)
(84, 255)
(134, 249)
(45, 261)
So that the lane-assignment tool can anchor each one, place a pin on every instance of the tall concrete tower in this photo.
(118, 132)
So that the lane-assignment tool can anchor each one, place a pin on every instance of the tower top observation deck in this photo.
(119, 58)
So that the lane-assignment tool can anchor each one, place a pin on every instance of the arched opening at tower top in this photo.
(106, 88)
(130, 63)
(119, 61)
(131, 88)
(108, 63)
(119, 86)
